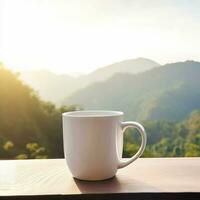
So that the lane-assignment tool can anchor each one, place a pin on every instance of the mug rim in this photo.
(92, 113)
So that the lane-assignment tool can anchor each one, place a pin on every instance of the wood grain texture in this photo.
(147, 175)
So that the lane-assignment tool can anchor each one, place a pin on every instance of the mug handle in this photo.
(141, 130)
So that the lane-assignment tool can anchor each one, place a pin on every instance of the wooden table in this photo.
(147, 178)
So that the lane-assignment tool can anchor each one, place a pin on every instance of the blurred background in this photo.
(137, 56)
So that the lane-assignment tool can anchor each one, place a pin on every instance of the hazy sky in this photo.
(71, 35)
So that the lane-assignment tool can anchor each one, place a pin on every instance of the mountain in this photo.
(168, 92)
(24, 118)
(132, 66)
(55, 87)
(50, 86)
(32, 128)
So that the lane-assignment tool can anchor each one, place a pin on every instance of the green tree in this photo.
(24, 117)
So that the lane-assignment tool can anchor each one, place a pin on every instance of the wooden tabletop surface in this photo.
(146, 175)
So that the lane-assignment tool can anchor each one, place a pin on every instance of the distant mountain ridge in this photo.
(132, 66)
(49, 85)
(55, 87)
(168, 92)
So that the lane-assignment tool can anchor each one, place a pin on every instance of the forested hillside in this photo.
(168, 92)
(29, 127)
(48, 84)
(168, 139)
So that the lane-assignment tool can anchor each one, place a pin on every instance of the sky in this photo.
(69, 36)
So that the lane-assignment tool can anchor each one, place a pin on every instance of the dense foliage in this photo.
(168, 139)
(31, 128)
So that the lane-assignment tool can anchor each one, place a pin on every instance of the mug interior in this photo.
(93, 113)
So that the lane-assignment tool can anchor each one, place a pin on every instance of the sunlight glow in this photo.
(80, 36)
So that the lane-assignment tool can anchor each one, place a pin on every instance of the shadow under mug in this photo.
(93, 143)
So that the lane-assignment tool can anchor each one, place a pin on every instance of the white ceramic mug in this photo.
(93, 143)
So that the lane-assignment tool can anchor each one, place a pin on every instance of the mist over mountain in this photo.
(55, 88)
(168, 92)
(31, 128)
(132, 66)
(50, 86)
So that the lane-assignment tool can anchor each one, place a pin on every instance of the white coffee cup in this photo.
(93, 143)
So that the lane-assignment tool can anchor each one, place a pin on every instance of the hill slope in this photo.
(132, 66)
(25, 119)
(49, 84)
(169, 92)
